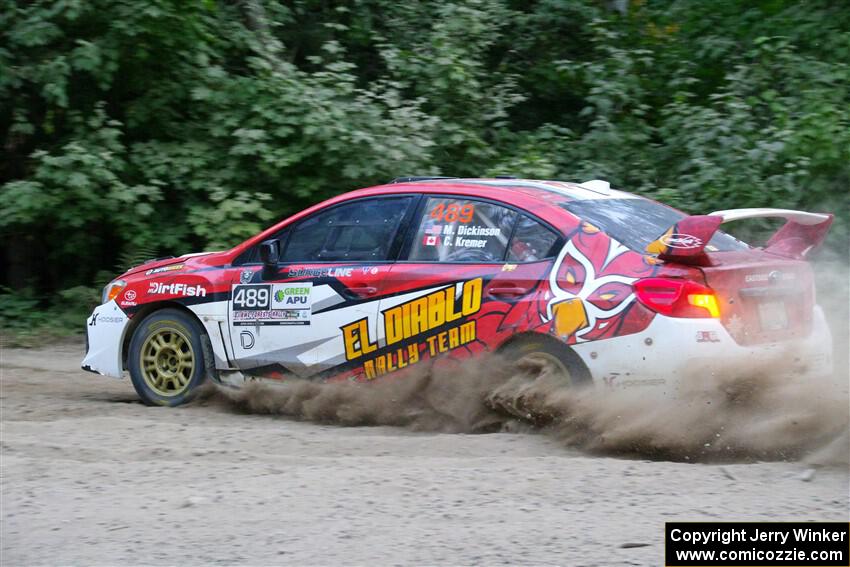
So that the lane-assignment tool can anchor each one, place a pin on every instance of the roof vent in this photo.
(597, 186)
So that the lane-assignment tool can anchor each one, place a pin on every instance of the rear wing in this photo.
(686, 240)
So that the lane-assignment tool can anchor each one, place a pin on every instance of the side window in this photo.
(360, 231)
(462, 230)
(531, 241)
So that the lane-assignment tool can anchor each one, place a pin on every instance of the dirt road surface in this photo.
(91, 476)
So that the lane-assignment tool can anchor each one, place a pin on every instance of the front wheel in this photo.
(167, 358)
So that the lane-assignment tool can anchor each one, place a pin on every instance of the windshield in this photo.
(637, 222)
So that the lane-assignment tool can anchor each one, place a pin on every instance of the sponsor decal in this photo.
(639, 383)
(682, 241)
(772, 277)
(610, 382)
(246, 276)
(736, 327)
(130, 295)
(159, 288)
(343, 272)
(98, 318)
(270, 317)
(431, 311)
(409, 355)
(272, 304)
(707, 337)
(247, 339)
(508, 267)
(435, 316)
(162, 269)
(292, 296)
(369, 270)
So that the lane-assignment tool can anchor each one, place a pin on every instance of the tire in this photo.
(169, 358)
(550, 354)
(539, 366)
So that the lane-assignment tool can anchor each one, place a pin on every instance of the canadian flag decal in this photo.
(431, 240)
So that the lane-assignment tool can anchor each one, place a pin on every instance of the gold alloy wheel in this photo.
(524, 394)
(548, 366)
(167, 361)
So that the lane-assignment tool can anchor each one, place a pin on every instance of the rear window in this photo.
(637, 222)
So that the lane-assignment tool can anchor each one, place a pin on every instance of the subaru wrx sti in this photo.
(601, 286)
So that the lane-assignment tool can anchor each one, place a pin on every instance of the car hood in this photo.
(169, 261)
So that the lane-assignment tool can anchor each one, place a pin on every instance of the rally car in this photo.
(603, 286)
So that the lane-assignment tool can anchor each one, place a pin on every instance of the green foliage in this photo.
(133, 130)
(18, 309)
(24, 320)
(133, 256)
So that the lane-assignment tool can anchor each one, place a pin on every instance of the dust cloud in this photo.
(742, 416)
(447, 399)
(731, 418)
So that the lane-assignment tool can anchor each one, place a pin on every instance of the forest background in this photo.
(135, 129)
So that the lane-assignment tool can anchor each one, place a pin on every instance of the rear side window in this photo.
(531, 241)
(359, 231)
(637, 222)
(462, 230)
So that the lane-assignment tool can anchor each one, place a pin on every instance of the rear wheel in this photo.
(167, 358)
(540, 366)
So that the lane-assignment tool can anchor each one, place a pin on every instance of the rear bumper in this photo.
(105, 331)
(675, 356)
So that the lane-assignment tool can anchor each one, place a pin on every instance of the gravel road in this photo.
(91, 476)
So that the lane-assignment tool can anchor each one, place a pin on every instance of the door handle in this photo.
(507, 291)
(362, 291)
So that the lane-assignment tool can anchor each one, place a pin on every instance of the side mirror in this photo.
(270, 253)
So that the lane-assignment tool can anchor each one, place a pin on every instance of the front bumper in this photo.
(677, 356)
(105, 331)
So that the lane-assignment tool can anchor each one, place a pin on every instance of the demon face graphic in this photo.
(590, 287)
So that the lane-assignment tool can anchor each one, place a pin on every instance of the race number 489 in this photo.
(453, 213)
(251, 297)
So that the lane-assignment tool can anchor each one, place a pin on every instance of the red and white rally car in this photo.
(604, 286)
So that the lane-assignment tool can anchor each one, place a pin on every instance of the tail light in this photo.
(677, 298)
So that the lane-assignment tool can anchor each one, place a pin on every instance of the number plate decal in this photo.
(773, 316)
(271, 304)
(252, 297)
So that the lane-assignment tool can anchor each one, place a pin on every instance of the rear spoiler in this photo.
(686, 240)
